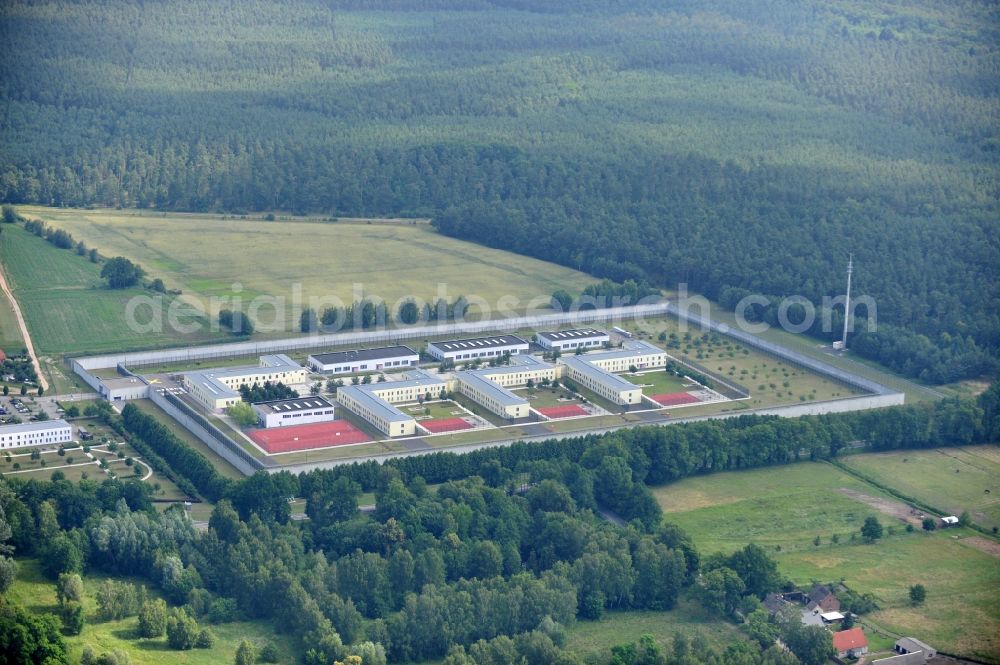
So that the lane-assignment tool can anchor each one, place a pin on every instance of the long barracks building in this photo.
(364, 360)
(485, 348)
(489, 387)
(217, 389)
(598, 371)
(374, 401)
(571, 340)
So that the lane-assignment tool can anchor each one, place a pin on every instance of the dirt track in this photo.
(983, 544)
(24, 331)
(897, 509)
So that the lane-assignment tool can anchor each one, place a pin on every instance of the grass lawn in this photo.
(786, 507)
(594, 639)
(205, 255)
(771, 382)
(435, 410)
(950, 479)
(660, 382)
(66, 304)
(855, 364)
(37, 593)
(83, 468)
(541, 398)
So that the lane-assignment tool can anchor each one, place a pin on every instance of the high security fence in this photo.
(208, 433)
(391, 336)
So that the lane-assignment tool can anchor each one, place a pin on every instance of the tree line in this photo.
(501, 556)
(589, 134)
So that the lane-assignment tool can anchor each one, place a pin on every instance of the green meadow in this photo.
(785, 508)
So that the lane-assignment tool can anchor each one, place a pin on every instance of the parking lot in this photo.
(28, 407)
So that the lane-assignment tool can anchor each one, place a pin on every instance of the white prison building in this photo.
(364, 360)
(43, 433)
(571, 340)
(479, 348)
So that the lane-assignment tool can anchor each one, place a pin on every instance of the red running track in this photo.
(673, 399)
(439, 425)
(307, 437)
(566, 411)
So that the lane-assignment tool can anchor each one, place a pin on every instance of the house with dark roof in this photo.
(822, 598)
(850, 643)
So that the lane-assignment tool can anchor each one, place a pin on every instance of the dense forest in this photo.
(489, 567)
(733, 146)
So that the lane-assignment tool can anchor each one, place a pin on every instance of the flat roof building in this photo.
(571, 340)
(217, 389)
(122, 388)
(597, 372)
(489, 387)
(294, 411)
(458, 350)
(45, 432)
(364, 360)
(374, 401)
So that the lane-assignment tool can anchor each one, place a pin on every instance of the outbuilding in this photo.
(295, 411)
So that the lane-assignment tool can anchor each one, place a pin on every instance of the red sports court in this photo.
(673, 399)
(566, 411)
(438, 425)
(307, 437)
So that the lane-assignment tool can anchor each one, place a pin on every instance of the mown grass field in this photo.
(206, 255)
(38, 595)
(594, 639)
(949, 479)
(10, 334)
(784, 507)
(789, 506)
(65, 302)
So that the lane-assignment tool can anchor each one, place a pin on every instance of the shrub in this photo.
(153, 618)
